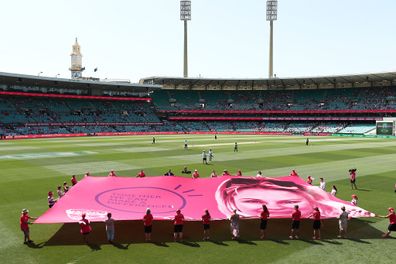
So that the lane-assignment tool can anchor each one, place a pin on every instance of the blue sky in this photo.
(227, 38)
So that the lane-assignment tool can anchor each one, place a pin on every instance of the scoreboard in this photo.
(385, 128)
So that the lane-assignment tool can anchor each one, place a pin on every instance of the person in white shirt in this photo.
(60, 192)
(322, 184)
(343, 223)
(109, 222)
(210, 154)
(259, 174)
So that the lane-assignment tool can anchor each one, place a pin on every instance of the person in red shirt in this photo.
(352, 178)
(239, 173)
(316, 223)
(195, 174)
(263, 221)
(296, 217)
(24, 224)
(206, 224)
(178, 222)
(141, 174)
(392, 222)
(73, 180)
(148, 224)
(226, 173)
(85, 227)
(112, 174)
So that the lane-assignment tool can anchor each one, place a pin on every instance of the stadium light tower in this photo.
(185, 15)
(272, 14)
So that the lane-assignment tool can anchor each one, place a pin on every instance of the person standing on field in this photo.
(109, 222)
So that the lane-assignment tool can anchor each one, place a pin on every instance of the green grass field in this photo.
(30, 168)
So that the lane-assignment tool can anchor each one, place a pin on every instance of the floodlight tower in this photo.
(185, 15)
(272, 14)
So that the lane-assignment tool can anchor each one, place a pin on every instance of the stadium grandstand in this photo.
(34, 105)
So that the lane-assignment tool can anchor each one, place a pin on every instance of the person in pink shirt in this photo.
(354, 200)
(239, 173)
(309, 180)
(226, 173)
(296, 218)
(352, 178)
(195, 174)
(293, 173)
(213, 174)
(178, 223)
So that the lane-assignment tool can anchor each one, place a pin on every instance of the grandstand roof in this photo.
(13, 79)
(324, 82)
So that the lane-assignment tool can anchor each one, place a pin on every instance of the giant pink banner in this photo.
(128, 198)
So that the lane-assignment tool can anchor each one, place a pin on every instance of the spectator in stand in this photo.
(73, 180)
(65, 187)
(112, 174)
(195, 174)
(206, 224)
(263, 221)
(213, 174)
(85, 227)
(169, 173)
(354, 200)
(148, 224)
(109, 222)
(24, 224)
(392, 222)
(60, 192)
(322, 184)
(51, 199)
(178, 222)
(141, 174)
(296, 218)
(334, 191)
(239, 173)
(293, 173)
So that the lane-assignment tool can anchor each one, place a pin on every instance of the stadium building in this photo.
(34, 106)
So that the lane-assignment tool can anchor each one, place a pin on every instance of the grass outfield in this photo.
(29, 168)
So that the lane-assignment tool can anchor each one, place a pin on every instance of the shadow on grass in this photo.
(189, 243)
(93, 246)
(277, 232)
(312, 242)
(278, 241)
(217, 242)
(160, 244)
(120, 246)
(244, 241)
(358, 240)
(36, 246)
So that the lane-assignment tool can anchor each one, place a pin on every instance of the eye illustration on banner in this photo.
(138, 199)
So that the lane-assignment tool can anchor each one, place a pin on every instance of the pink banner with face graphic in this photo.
(128, 198)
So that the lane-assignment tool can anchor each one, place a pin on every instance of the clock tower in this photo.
(76, 62)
